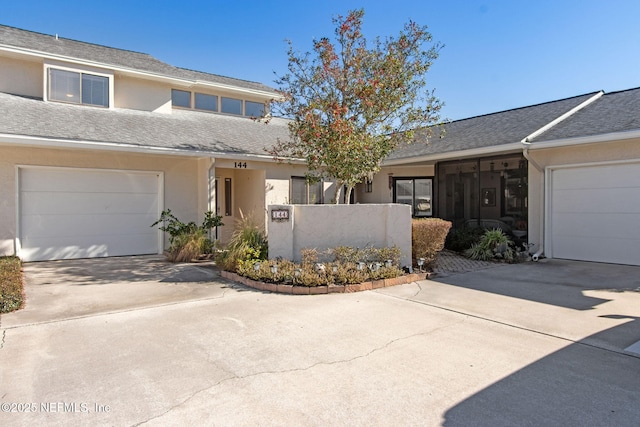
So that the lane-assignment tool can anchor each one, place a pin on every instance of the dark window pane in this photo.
(206, 102)
(227, 197)
(95, 90)
(180, 98)
(64, 86)
(298, 191)
(232, 106)
(422, 202)
(253, 109)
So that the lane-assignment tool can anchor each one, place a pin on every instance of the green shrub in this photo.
(11, 284)
(339, 267)
(427, 238)
(494, 244)
(187, 241)
(248, 243)
(461, 239)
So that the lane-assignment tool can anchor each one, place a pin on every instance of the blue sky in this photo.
(498, 54)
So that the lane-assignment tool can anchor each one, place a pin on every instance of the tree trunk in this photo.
(336, 195)
(347, 195)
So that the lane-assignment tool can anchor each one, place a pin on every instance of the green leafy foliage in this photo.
(247, 245)
(427, 238)
(187, 241)
(352, 102)
(342, 266)
(11, 284)
(493, 244)
(461, 239)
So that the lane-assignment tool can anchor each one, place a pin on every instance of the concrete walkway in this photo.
(525, 344)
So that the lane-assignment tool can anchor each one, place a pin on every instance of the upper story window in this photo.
(206, 102)
(215, 103)
(253, 109)
(180, 98)
(78, 88)
(232, 106)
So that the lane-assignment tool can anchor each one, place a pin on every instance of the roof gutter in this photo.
(43, 142)
(474, 152)
(526, 142)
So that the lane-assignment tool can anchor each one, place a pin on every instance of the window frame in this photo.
(50, 70)
(195, 102)
(173, 105)
(308, 185)
(414, 202)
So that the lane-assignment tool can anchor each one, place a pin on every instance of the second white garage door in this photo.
(79, 213)
(594, 213)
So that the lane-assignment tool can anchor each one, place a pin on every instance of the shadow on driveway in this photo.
(97, 271)
(578, 385)
(557, 282)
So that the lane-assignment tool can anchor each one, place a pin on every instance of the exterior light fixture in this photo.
(420, 263)
(256, 266)
(274, 269)
(334, 268)
(360, 266)
(297, 272)
(388, 263)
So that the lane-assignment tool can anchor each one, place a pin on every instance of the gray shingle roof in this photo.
(111, 56)
(182, 130)
(613, 112)
(489, 130)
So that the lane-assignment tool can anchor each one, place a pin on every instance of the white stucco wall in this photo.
(570, 155)
(139, 94)
(327, 226)
(21, 77)
(382, 192)
(182, 192)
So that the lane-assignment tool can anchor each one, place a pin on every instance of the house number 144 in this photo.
(240, 165)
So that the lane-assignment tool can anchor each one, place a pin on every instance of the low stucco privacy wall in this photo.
(292, 228)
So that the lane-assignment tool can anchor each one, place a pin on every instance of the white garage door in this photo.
(78, 213)
(595, 213)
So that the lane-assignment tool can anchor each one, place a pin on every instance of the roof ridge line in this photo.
(58, 37)
(561, 118)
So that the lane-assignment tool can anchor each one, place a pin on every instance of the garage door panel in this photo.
(611, 250)
(96, 181)
(595, 213)
(88, 225)
(71, 247)
(605, 176)
(596, 226)
(79, 213)
(614, 200)
(44, 203)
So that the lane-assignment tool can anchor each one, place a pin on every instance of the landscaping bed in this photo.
(11, 284)
(288, 288)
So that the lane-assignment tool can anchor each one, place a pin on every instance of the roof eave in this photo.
(582, 140)
(43, 142)
(459, 154)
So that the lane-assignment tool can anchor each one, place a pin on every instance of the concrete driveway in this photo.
(532, 344)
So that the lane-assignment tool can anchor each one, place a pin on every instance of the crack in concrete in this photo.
(4, 334)
(286, 371)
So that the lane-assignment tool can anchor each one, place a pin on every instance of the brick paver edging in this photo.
(326, 289)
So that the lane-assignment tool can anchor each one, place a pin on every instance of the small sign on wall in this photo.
(280, 215)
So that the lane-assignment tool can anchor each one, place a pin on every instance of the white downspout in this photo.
(525, 152)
